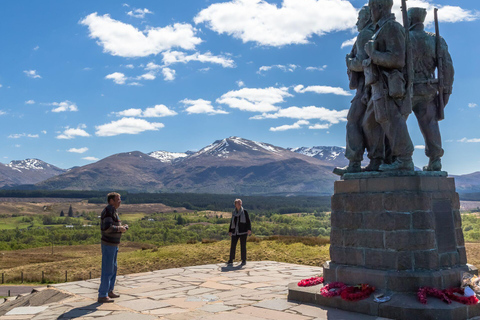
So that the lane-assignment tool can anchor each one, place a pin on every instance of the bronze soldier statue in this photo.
(426, 103)
(389, 104)
(356, 140)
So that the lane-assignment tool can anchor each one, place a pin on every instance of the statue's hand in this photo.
(369, 47)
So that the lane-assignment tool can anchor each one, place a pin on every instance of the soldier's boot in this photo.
(434, 164)
(399, 165)
(374, 165)
(353, 167)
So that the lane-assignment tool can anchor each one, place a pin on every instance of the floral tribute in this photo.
(310, 282)
(325, 291)
(357, 293)
(446, 295)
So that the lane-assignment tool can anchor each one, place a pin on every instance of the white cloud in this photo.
(90, 158)
(296, 125)
(126, 5)
(78, 150)
(71, 133)
(201, 106)
(157, 111)
(168, 74)
(135, 84)
(255, 99)
(87, 69)
(284, 68)
(127, 126)
(240, 83)
(320, 126)
(17, 146)
(129, 66)
(117, 77)
(204, 69)
(322, 90)
(44, 131)
(21, 135)
(1, 85)
(152, 66)
(475, 140)
(64, 106)
(122, 39)
(139, 13)
(36, 48)
(348, 43)
(445, 13)
(30, 102)
(32, 74)
(2, 113)
(171, 57)
(421, 147)
(320, 68)
(147, 76)
(294, 22)
(307, 113)
(472, 105)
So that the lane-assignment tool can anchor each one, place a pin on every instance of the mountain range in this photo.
(230, 166)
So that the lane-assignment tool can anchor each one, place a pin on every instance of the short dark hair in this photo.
(112, 196)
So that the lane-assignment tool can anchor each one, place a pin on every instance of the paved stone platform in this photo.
(256, 291)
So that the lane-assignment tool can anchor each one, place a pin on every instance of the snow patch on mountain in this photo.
(320, 152)
(28, 164)
(166, 156)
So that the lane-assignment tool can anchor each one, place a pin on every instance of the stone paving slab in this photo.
(257, 291)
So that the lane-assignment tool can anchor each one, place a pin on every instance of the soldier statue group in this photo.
(392, 67)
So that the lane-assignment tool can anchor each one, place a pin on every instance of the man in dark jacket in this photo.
(112, 230)
(240, 228)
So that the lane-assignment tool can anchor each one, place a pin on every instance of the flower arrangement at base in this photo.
(310, 282)
(428, 291)
(450, 293)
(325, 291)
(356, 293)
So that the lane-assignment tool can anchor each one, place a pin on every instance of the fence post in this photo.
(66, 276)
(3, 277)
(9, 293)
(43, 276)
(90, 274)
(22, 276)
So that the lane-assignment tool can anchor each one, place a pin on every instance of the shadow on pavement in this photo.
(231, 268)
(80, 312)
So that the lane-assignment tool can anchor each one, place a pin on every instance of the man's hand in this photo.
(122, 229)
(230, 234)
(369, 47)
(249, 232)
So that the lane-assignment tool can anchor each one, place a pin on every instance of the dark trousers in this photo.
(243, 247)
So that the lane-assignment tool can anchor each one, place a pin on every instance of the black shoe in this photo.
(243, 263)
(229, 262)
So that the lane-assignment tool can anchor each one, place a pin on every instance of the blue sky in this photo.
(81, 80)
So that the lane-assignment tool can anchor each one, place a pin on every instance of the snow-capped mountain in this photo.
(322, 153)
(168, 157)
(29, 171)
(29, 164)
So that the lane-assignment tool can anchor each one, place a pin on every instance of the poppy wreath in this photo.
(428, 291)
(325, 291)
(450, 293)
(310, 282)
(356, 293)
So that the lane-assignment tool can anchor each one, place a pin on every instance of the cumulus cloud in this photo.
(421, 147)
(71, 133)
(30, 102)
(21, 135)
(117, 77)
(240, 83)
(126, 126)
(32, 74)
(36, 48)
(472, 105)
(296, 125)
(445, 13)
(78, 150)
(124, 40)
(293, 22)
(129, 66)
(157, 111)
(171, 57)
(64, 106)
(90, 158)
(465, 140)
(255, 99)
(320, 68)
(284, 68)
(201, 106)
(348, 43)
(147, 76)
(322, 90)
(320, 126)
(168, 74)
(2, 113)
(139, 13)
(44, 131)
(307, 113)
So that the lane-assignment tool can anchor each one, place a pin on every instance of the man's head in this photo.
(238, 204)
(380, 8)
(416, 15)
(364, 18)
(113, 198)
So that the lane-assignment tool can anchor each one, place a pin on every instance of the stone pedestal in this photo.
(398, 233)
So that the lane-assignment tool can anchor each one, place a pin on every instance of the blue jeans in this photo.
(109, 270)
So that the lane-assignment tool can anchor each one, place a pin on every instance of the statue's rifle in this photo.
(408, 61)
(438, 54)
